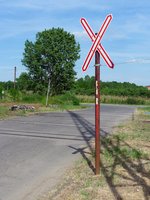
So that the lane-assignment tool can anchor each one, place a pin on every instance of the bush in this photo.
(15, 94)
(76, 102)
(135, 101)
(32, 98)
(65, 99)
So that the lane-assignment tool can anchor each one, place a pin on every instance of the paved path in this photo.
(36, 150)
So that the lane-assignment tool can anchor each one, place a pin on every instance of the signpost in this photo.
(98, 49)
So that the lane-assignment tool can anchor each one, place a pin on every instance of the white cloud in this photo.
(15, 27)
(80, 34)
(53, 5)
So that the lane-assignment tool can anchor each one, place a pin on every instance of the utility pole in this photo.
(49, 83)
(48, 90)
(15, 77)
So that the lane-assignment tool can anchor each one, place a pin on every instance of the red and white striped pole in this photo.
(97, 112)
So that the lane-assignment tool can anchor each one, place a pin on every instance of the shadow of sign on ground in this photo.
(134, 172)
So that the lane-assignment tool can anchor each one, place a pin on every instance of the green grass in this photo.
(64, 99)
(4, 111)
(67, 101)
(126, 152)
(145, 109)
(33, 98)
(134, 129)
(71, 98)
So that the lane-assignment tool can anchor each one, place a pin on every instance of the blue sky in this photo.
(127, 39)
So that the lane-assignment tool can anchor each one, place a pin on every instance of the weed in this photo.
(84, 194)
(4, 111)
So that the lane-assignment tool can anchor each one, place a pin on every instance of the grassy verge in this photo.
(125, 166)
(5, 109)
(115, 100)
(67, 101)
(54, 108)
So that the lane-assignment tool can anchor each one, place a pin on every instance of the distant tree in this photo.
(8, 85)
(86, 86)
(51, 57)
(24, 82)
(1, 89)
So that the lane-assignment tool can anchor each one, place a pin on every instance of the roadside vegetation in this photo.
(50, 79)
(112, 92)
(82, 92)
(71, 99)
(125, 166)
(67, 101)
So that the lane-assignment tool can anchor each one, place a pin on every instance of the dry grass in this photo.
(125, 167)
(39, 108)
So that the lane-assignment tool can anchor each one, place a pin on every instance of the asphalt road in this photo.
(35, 151)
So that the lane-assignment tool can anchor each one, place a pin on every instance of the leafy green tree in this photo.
(86, 86)
(51, 58)
(14, 94)
(1, 89)
(24, 82)
(8, 85)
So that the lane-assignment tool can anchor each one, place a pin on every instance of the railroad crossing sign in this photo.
(96, 42)
(98, 49)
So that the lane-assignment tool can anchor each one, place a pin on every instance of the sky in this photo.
(126, 40)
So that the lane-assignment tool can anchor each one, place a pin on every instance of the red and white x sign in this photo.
(96, 42)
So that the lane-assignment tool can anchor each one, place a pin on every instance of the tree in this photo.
(1, 89)
(85, 85)
(24, 82)
(51, 58)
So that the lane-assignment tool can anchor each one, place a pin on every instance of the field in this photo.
(115, 99)
(125, 166)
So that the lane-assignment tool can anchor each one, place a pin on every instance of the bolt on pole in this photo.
(97, 113)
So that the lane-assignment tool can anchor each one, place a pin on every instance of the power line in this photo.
(133, 61)
(130, 61)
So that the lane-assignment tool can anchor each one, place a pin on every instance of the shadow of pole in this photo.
(128, 165)
(110, 183)
(83, 153)
(87, 131)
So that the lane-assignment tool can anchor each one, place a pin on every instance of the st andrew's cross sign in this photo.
(96, 42)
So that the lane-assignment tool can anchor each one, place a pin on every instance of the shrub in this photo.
(64, 99)
(15, 94)
(32, 98)
(135, 101)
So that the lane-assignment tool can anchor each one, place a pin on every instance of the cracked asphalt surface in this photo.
(36, 150)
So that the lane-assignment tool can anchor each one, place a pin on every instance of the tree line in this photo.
(86, 86)
(50, 62)
(82, 86)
